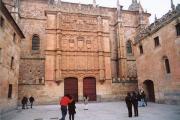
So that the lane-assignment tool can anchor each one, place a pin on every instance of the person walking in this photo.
(135, 103)
(31, 100)
(71, 109)
(86, 99)
(128, 101)
(64, 103)
(24, 102)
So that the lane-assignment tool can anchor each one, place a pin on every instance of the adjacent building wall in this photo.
(151, 64)
(10, 38)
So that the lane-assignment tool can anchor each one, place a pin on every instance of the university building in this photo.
(79, 49)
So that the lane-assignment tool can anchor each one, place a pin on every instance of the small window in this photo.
(178, 29)
(14, 37)
(167, 65)
(35, 42)
(129, 47)
(156, 41)
(141, 49)
(1, 21)
(0, 55)
(10, 91)
(12, 62)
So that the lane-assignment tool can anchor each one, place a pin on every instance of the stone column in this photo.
(15, 10)
(58, 49)
(51, 39)
(122, 58)
(80, 88)
(100, 52)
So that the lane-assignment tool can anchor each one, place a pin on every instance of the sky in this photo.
(158, 7)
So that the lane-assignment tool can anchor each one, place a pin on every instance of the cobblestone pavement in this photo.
(101, 111)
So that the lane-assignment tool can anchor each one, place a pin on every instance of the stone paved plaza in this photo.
(101, 111)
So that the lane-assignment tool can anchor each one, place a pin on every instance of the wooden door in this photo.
(89, 88)
(149, 88)
(71, 87)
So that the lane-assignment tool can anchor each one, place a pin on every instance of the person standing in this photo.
(144, 99)
(64, 103)
(135, 103)
(31, 100)
(71, 109)
(86, 99)
(128, 101)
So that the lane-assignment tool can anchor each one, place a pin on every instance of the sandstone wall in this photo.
(151, 66)
(75, 41)
(8, 75)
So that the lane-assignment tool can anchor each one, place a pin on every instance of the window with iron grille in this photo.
(12, 62)
(167, 65)
(141, 49)
(178, 29)
(129, 47)
(10, 91)
(35, 42)
(156, 41)
(1, 21)
(0, 55)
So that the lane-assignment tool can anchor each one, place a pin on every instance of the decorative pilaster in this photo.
(59, 49)
(100, 52)
(15, 10)
(122, 58)
(94, 3)
(172, 5)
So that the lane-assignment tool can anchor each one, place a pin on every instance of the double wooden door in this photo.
(89, 88)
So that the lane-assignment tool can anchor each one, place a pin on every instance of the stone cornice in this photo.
(158, 24)
(8, 16)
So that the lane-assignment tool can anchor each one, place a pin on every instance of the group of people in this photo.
(142, 101)
(25, 102)
(135, 99)
(67, 103)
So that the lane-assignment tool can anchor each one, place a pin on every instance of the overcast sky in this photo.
(158, 7)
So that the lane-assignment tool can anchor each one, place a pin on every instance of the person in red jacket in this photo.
(64, 103)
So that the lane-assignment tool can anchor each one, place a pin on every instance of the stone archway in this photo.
(149, 90)
(89, 88)
(71, 87)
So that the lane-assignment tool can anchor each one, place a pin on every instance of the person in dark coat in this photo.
(71, 109)
(31, 100)
(24, 102)
(128, 101)
(135, 103)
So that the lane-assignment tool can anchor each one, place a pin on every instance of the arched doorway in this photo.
(71, 87)
(149, 90)
(89, 88)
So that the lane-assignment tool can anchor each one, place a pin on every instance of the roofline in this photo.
(98, 6)
(158, 28)
(10, 19)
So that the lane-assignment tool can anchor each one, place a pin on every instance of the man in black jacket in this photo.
(31, 100)
(135, 103)
(128, 101)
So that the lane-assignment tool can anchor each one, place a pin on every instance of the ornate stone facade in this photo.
(77, 41)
